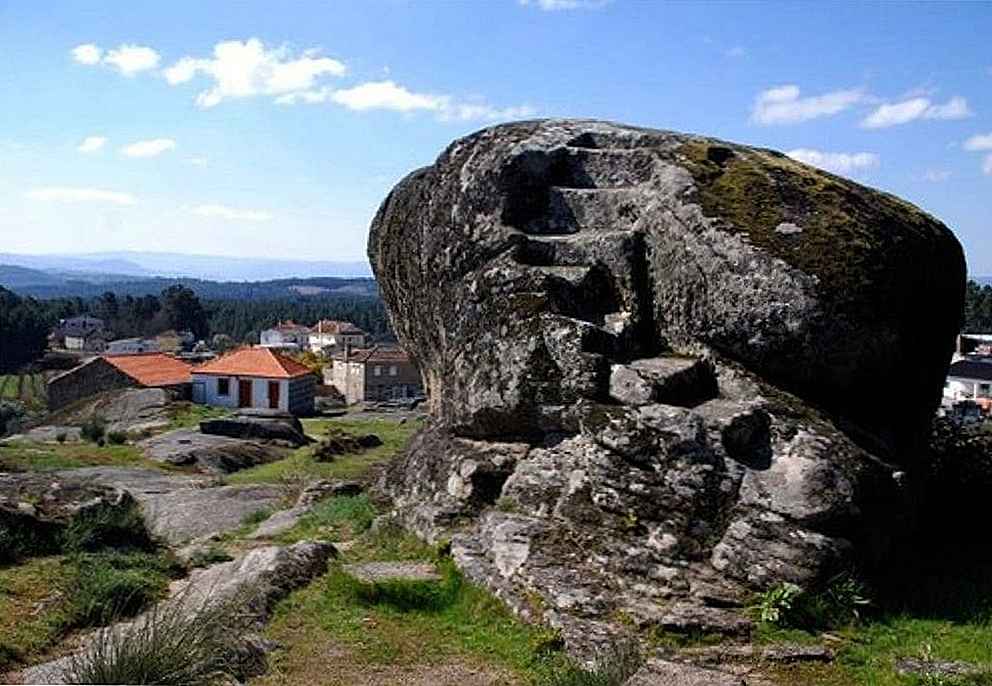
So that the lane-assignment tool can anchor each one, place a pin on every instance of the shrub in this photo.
(117, 437)
(61, 436)
(93, 429)
(613, 668)
(838, 603)
(181, 642)
(11, 415)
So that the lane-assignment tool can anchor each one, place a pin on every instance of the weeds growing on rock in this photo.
(113, 526)
(840, 602)
(182, 642)
(613, 668)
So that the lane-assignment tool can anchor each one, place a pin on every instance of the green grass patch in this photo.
(210, 555)
(340, 518)
(24, 456)
(31, 389)
(186, 415)
(44, 598)
(301, 466)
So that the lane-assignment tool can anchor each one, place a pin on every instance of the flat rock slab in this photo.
(374, 572)
(665, 673)
(179, 508)
(259, 578)
(216, 454)
(280, 522)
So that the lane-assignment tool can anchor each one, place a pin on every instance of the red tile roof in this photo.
(260, 362)
(152, 369)
(376, 353)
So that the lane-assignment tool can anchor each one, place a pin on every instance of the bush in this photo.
(117, 437)
(839, 603)
(181, 642)
(614, 668)
(93, 430)
(61, 436)
(12, 413)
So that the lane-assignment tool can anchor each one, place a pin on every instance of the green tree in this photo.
(23, 331)
(183, 311)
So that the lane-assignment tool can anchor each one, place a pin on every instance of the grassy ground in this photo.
(184, 415)
(341, 631)
(30, 389)
(22, 456)
(301, 465)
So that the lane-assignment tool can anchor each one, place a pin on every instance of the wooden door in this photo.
(274, 395)
(244, 393)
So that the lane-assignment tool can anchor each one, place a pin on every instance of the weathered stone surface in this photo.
(179, 508)
(327, 488)
(937, 669)
(373, 572)
(665, 673)
(130, 410)
(255, 580)
(211, 453)
(263, 425)
(653, 364)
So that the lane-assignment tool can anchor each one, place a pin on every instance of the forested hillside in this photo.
(978, 308)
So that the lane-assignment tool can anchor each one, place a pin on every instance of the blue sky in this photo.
(275, 129)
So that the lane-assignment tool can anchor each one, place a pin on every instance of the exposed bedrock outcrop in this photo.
(663, 370)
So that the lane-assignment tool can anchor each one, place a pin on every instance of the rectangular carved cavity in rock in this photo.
(541, 271)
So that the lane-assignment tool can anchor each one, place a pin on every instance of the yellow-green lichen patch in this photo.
(827, 227)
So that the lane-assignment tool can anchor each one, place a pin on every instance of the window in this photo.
(984, 390)
(392, 370)
(377, 370)
(223, 387)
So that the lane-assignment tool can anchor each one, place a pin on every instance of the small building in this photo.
(132, 346)
(374, 374)
(286, 335)
(110, 372)
(329, 336)
(257, 377)
(970, 379)
(85, 334)
(175, 341)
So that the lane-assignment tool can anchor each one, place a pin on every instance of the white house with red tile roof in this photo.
(329, 336)
(286, 335)
(257, 377)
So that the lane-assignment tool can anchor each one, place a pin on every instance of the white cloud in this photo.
(893, 114)
(936, 175)
(782, 105)
(987, 165)
(131, 59)
(979, 142)
(737, 51)
(837, 162)
(387, 95)
(198, 161)
(558, 5)
(87, 54)
(127, 59)
(149, 148)
(91, 144)
(246, 69)
(231, 213)
(63, 194)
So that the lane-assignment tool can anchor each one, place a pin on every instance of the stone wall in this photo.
(88, 379)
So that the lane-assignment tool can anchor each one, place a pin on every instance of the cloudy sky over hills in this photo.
(256, 129)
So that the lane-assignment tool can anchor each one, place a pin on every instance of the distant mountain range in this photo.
(59, 284)
(112, 266)
(982, 280)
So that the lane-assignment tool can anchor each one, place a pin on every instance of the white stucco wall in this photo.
(260, 391)
(958, 388)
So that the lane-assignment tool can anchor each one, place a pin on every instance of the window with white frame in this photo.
(377, 370)
(392, 370)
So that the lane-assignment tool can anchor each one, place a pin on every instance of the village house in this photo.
(83, 334)
(110, 372)
(256, 377)
(970, 379)
(286, 335)
(175, 341)
(374, 374)
(328, 336)
(132, 346)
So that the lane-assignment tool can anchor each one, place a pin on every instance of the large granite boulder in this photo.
(663, 370)
(266, 425)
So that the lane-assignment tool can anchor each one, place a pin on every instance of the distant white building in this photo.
(80, 334)
(132, 346)
(328, 336)
(256, 378)
(969, 379)
(287, 336)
